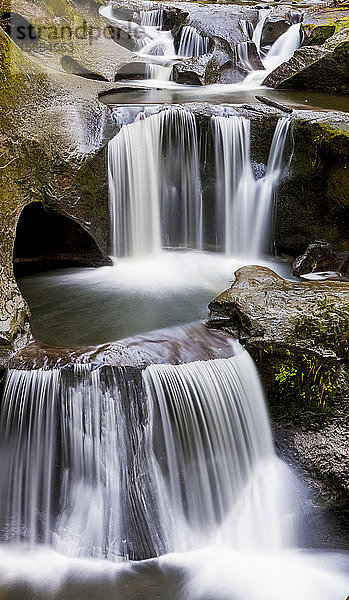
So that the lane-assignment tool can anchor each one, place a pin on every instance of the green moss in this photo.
(301, 388)
(331, 330)
(319, 34)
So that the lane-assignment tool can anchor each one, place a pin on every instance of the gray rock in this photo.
(191, 71)
(319, 257)
(262, 306)
(131, 71)
(72, 66)
(273, 28)
(53, 134)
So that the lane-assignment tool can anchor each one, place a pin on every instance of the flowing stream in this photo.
(159, 479)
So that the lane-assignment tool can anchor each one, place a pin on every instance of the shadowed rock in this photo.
(319, 257)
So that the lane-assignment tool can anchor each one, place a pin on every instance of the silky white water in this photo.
(154, 184)
(113, 462)
(244, 204)
(281, 51)
(176, 461)
(192, 43)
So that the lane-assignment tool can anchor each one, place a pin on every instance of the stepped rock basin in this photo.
(137, 451)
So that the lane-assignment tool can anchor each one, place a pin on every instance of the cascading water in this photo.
(243, 54)
(281, 51)
(283, 48)
(154, 183)
(257, 34)
(247, 28)
(109, 463)
(152, 18)
(192, 43)
(155, 191)
(243, 203)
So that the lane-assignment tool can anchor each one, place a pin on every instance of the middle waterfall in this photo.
(156, 196)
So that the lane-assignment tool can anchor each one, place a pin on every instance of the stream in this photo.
(159, 479)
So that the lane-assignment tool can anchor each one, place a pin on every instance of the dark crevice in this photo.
(48, 240)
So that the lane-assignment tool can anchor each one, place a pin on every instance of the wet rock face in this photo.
(53, 137)
(298, 334)
(273, 28)
(191, 71)
(319, 257)
(316, 36)
(312, 198)
(261, 305)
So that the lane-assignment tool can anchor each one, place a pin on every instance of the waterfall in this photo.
(218, 480)
(155, 189)
(192, 43)
(154, 183)
(152, 18)
(243, 54)
(257, 34)
(284, 47)
(243, 203)
(246, 28)
(110, 462)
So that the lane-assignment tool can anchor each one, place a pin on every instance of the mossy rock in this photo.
(299, 336)
(317, 35)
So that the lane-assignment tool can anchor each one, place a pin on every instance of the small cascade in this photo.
(112, 463)
(257, 34)
(247, 28)
(283, 48)
(154, 183)
(192, 43)
(243, 55)
(152, 18)
(243, 203)
(134, 161)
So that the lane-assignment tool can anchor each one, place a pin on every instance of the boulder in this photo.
(265, 308)
(191, 71)
(316, 35)
(314, 69)
(273, 28)
(72, 66)
(319, 257)
(133, 70)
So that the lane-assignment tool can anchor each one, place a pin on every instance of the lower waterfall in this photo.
(118, 463)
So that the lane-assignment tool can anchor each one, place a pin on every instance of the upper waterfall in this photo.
(244, 204)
